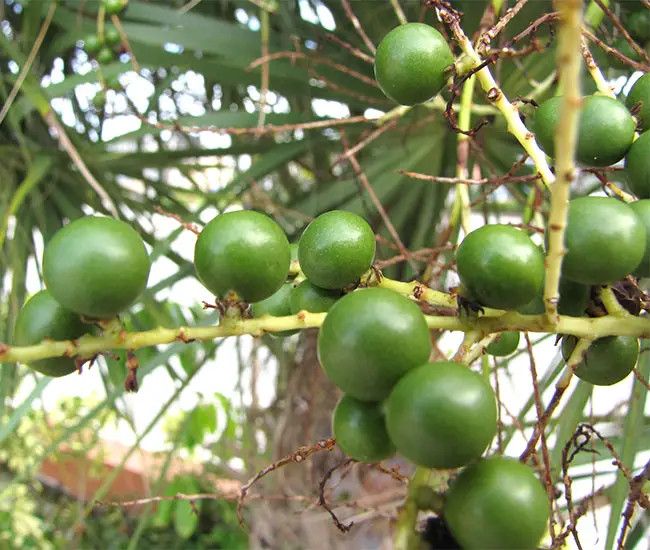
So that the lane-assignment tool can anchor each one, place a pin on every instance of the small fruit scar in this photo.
(418, 291)
(182, 337)
(493, 94)
(4, 349)
(301, 315)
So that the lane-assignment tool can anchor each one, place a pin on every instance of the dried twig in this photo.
(299, 455)
(363, 179)
(321, 495)
(189, 226)
(355, 23)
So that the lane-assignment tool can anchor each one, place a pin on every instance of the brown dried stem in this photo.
(298, 456)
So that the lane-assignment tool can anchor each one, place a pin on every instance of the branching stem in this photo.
(569, 59)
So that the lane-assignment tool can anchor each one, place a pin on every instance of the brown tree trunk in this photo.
(300, 524)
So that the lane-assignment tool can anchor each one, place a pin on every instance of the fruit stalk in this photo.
(569, 59)
(464, 123)
(496, 96)
(405, 536)
(89, 346)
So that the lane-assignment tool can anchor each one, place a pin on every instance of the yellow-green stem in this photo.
(88, 346)
(577, 355)
(464, 123)
(611, 304)
(494, 94)
(405, 535)
(569, 59)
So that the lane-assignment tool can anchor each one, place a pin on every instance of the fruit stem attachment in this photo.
(611, 304)
(576, 357)
(569, 59)
(405, 536)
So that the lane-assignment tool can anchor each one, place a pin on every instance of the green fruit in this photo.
(441, 415)
(500, 266)
(92, 44)
(114, 7)
(360, 430)
(105, 56)
(309, 297)
(99, 101)
(276, 305)
(113, 83)
(605, 241)
(638, 25)
(640, 95)
(370, 338)
(336, 249)
(411, 63)
(642, 209)
(112, 36)
(607, 361)
(244, 252)
(637, 167)
(96, 266)
(43, 317)
(605, 129)
(505, 344)
(497, 504)
(573, 300)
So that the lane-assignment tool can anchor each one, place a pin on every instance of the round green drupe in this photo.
(105, 56)
(243, 252)
(500, 266)
(336, 249)
(96, 266)
(637, 167)
(370, 338)
(112, 36)
(309, 297)
(639, 98)
(441, 415)
(115, 7)
(605, 129)
(411, 63)
(607, 361)
(642, 209)
(360, 430)
(43, 317)
(505, 344)
(638, 25)
(92, 45)
(605, 241)
(276, 305)
(497, 504)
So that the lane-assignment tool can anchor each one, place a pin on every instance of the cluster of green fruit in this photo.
(105, 48)
(104, 51)
(501, 267)
(374, 345)
(606, 133)
(94, 268)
